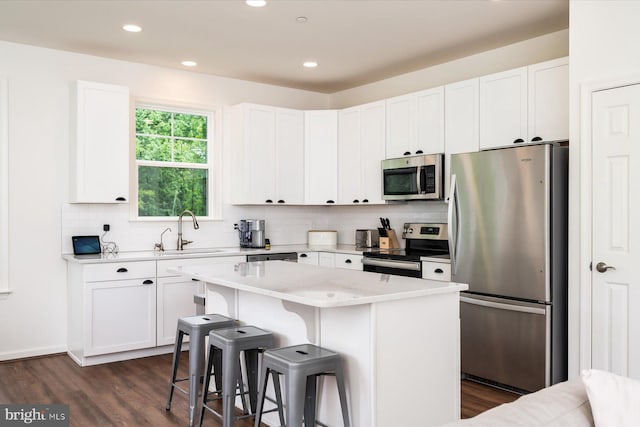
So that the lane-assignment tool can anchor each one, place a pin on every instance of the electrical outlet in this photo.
(106, 227)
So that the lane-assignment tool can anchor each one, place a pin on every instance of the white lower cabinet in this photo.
(308, 258)
(120, 315)
(174, 300)
(349, 261)
(326, 259)
(436, 271)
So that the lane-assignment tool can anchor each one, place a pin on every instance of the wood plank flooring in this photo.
(134, 392)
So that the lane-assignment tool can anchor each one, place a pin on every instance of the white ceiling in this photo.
(355, 41)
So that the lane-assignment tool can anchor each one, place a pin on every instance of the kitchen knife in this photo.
(382, 232)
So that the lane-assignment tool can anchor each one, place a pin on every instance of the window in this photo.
(174, 161)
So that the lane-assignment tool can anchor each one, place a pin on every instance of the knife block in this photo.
(389, 242)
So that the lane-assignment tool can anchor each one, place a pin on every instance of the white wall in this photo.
(604, 38)
(538, 49)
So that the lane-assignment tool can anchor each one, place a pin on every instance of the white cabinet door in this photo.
(372, 148)
(99, 164)
(461, 122)
(361, 149)
(310, 258)
(415, 123)
(289, 167)
(429, 121)
(321, 156)
(119, 316)
(326, 259)
(349, 156)
(549, 100)
(503, 108)
(398, 126)
(174, 300)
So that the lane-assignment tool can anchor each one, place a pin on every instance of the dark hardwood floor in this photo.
(134, 392)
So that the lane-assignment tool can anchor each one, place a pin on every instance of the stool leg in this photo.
(174, 369)
(251, 364)
(343, 394)
(195, 364)
(217, 367)
(206, 382)
(229, 383)
(245, 411)
(264, 379)
(276, 387)
(310, 402)
(295, 383)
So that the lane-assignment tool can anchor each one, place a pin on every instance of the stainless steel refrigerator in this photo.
(508, 241)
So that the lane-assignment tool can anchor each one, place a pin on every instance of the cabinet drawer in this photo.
(436, 271)
(172, 263)
(350, 261)
(119, 271)
(308, 258)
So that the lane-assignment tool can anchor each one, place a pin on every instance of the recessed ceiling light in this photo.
(310, 64)
(189, 63)
(256, 3)
(301, 19)
(132, 28)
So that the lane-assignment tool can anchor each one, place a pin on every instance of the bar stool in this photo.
(301, 365)
(197, 327)
(232, 341)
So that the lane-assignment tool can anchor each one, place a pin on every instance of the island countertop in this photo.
(316, 286)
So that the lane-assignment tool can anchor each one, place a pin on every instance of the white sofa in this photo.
(562, 405)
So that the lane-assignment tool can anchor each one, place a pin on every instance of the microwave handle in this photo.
(422, 180)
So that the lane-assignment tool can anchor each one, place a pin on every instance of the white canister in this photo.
(322, 237)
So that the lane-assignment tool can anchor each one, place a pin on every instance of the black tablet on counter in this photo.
(86, 246)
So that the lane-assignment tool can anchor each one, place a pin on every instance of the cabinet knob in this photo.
(280, 201)
(268, 201)
(356, 201)
(121, 199)
(303, 255)
(518, 141)
(419, 152)
(330, 201)
(195, 280)
(121, 270)
(347, 261)
(407, 153)
(365, 200)
(148, 282)
(438, 270)
(536, 139)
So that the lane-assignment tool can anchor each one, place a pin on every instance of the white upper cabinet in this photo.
(461, 121)
(415, 123)
(361, 148)
(321, 156)
(549, 100)
(99, 164)
(527, 104)
(503, 108)
(268, 151)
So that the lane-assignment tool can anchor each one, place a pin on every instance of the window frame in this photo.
(213, 165)
(4, 186)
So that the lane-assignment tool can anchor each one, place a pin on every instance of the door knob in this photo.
(602, 267)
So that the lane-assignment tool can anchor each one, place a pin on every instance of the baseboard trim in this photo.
(34, 352)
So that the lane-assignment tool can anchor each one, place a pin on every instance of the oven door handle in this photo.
(401, 265)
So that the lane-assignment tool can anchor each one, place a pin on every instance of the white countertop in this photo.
(316, 286)
(209, 252)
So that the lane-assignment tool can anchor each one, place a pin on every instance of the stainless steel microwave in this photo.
(413, 178)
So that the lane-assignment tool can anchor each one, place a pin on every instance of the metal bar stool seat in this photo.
(197, 327)
(233, 341)
(301, 365)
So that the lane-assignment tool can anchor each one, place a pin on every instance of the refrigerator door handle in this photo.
(453, 226)
(502, 306)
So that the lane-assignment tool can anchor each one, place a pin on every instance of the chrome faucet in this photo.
(182, 242)
(160, 246)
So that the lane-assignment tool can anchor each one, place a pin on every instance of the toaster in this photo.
(367, 238)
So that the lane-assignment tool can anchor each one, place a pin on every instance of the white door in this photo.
(372, 149)
(174, 300)
(289, 167)
(349, 156)
(616, 231)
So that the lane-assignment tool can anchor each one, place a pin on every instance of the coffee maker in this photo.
(251, 233)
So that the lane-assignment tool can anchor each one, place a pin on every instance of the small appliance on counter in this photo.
(322, 237)
(251, 233)
(367, 238)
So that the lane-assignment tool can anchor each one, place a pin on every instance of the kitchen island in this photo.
(399, 336)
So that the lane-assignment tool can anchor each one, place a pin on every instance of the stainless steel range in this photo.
(423, 242)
